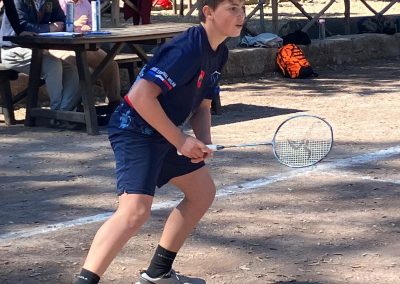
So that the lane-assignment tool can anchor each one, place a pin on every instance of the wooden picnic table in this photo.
(153, 34)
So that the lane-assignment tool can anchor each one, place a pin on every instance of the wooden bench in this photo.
(7, 99)
(129, 61)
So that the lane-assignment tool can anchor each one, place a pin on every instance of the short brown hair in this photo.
(213, 4)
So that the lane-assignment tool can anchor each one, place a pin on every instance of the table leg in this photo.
(86, 90)
(33, 85)
(140, 52)
(181, 7)
(106, 61)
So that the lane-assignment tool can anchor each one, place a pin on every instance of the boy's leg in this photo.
(133, 211)
(199, 190)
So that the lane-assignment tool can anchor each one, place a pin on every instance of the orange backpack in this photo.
(292, 62)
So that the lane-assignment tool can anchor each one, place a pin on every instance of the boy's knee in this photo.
(134, 220)
(210, 194)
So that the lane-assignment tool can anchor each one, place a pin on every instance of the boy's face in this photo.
(228, 17)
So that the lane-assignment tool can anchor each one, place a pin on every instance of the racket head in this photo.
(302, 141)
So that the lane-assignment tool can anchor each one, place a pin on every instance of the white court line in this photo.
(226, 191)
(370, 178)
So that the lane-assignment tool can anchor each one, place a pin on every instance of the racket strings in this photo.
(300, 153)
(303, 141)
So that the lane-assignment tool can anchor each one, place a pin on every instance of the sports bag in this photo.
(292, 63)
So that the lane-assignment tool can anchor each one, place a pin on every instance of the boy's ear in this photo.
(207, 11)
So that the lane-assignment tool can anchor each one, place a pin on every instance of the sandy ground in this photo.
(338, 222)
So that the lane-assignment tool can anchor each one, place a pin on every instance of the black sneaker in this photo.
(60, 124)
(102, 120)
(169, 278)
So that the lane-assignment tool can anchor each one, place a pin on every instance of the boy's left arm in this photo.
(201, 122)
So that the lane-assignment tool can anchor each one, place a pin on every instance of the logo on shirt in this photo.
(163, 77)
(125, 119)
(215, 77)
(200, 79)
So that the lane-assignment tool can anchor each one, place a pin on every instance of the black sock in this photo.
(161, 262)
(87, 277)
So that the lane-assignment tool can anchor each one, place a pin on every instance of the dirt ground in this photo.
(338, 222)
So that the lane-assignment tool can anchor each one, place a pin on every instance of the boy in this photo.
(177, 85)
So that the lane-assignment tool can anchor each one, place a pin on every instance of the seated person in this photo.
(138, 10)
(61, 78)
(110, 77)
(12, 16)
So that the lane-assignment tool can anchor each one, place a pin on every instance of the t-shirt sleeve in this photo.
(173, 67)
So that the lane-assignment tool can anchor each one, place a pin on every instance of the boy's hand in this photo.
(194, 149)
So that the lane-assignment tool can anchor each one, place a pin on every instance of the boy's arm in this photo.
(201, 122)
(143, 97)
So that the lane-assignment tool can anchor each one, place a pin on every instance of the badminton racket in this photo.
(299, 141)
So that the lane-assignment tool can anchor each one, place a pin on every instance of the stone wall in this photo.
(336, 50)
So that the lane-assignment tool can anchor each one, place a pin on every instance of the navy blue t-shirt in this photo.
(187, 70)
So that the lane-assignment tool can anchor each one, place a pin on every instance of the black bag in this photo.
(297, 37)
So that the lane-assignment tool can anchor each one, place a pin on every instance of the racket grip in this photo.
(212, 147)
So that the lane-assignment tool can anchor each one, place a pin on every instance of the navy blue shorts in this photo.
(144, 159)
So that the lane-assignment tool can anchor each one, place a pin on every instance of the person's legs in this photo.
(17, 58)
(199, 190)
(66, 55)
(53, 74)
(110, 77)
(145, 9)
(71, 96)
(133, 211)
(62, 81)
(138, 159)
(136, 15)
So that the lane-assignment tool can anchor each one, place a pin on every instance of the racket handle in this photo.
(213, 147)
